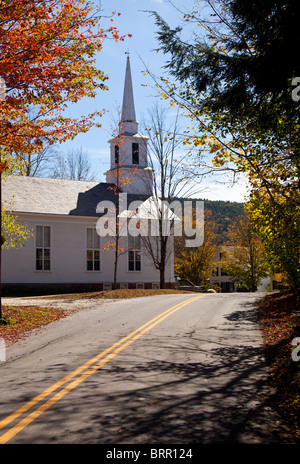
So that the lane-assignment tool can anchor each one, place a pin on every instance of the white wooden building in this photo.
(65, 249)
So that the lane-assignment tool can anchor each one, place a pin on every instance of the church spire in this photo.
(128, 118)
(128, 153)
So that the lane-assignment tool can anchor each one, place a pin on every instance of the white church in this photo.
(65, 249)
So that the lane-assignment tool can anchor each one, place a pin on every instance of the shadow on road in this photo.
(222, 398)
(208, 386)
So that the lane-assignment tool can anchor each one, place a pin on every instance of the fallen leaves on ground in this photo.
(280, 324)
(116, 294)
(18, 321)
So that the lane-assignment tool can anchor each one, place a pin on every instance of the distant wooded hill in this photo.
(223, 213)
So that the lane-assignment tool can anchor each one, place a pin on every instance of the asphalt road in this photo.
(172, 369)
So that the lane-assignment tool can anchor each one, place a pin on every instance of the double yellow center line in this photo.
(89, 367)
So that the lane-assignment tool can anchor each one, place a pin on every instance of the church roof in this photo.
(54, 196)
(39, 195)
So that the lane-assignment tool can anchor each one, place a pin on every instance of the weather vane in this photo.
(127, 52)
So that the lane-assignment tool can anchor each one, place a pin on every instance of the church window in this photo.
(92, 250)
(42, 248)
(134, 253)
(135, 153)
(117, 154)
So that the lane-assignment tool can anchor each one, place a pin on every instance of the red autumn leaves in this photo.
(47, 60)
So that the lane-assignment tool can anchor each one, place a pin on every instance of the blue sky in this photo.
(112, 60)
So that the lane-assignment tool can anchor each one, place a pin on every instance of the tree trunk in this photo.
(117, 230)
(163, 256)
(0, 244)
(116, 263)
(162, 277)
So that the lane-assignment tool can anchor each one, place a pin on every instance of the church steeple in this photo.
(128, 150)
(128, 118)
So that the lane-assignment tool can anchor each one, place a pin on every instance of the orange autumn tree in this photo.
(48, 54)
(47, 60)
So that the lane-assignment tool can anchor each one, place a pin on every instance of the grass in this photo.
(279, 317)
